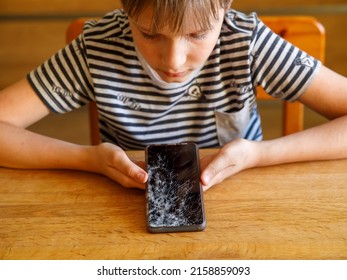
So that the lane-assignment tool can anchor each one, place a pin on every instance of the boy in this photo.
(170, 71)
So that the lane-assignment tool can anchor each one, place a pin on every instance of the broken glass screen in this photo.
(174, 194)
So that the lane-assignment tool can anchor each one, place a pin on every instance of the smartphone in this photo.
(174, 192)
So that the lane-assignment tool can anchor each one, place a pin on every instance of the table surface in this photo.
(294, 211)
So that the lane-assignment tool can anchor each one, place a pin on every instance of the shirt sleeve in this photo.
(63, 82)
(283, 70)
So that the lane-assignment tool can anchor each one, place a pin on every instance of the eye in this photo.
(198, 36)
(149, 36)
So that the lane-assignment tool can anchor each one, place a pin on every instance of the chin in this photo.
(174, 80)
(168, 79)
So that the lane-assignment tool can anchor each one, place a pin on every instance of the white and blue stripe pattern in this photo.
(136, 109)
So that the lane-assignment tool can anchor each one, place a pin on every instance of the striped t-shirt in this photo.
(215, 105)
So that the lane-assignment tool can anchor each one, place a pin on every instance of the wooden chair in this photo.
(302, 31)
(307, 34)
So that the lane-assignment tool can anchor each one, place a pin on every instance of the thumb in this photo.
(217, 170)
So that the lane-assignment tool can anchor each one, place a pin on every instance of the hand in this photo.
(235, 156)
(113, 162)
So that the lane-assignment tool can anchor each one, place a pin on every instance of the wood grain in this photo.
(295, 211)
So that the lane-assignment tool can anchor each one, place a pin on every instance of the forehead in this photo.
(168, 22)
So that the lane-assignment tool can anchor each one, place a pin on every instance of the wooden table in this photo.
(295, 211)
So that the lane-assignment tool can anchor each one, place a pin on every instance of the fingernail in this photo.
(141, 177)
(206, 179)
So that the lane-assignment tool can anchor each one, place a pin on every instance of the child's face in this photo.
(174, 57)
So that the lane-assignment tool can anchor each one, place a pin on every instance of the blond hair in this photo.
(174, 13)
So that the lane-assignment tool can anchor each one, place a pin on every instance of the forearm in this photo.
(21, 148)
(324, 142)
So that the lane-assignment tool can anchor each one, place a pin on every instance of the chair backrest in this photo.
(303, 31)
(309, 35)
(74, 29)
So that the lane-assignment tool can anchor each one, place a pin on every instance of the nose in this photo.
(174, 54)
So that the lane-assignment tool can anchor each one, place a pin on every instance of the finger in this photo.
(218, 169)
(205, 161)
(220, 177)
(135, 172)
(128, 168)
(124, 180)
(141, 164)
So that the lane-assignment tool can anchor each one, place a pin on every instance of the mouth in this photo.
(175, 74)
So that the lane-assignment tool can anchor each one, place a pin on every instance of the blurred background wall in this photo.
(32, 30)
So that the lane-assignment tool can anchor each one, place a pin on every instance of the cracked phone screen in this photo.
(174, 194)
